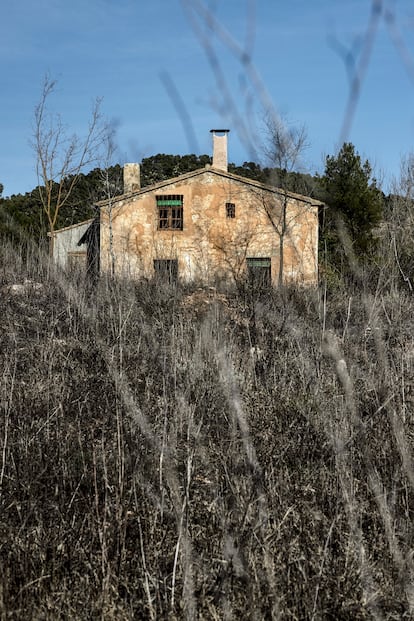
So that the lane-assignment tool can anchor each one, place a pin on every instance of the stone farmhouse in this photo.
(207, 226)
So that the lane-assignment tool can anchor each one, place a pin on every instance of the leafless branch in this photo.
(60, 156)
(357, 68)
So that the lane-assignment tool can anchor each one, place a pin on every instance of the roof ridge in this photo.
(209, 169)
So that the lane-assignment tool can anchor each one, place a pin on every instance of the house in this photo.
(208, 225)
(65, 247)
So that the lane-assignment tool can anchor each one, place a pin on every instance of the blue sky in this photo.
(130, 52)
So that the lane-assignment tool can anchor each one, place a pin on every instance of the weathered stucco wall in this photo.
(211, 245)
(65, 245)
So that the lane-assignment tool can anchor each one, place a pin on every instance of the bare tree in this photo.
(284, 144)
(61, 156)
(283, 148)
(396, 238)
(111, 187)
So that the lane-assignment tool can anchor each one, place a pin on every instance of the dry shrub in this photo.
(241, 457)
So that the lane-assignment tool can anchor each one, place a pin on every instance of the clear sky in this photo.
(170, 70)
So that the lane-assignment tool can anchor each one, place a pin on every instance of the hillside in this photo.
(21, 215)
(178, 453)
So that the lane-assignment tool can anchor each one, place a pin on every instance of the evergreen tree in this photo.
(162, 166)
(24, 212)
(352, 197)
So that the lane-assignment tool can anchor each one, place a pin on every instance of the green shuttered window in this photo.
(259, 272)
(170, 212)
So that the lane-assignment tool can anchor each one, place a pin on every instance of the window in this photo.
(259, 272)
(77, 261)
(230, 210)
(170, 212)
(166, 270)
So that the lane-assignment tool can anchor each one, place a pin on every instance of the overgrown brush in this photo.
(178, 453)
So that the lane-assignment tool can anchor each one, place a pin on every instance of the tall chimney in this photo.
(132, 178)
(220, 148)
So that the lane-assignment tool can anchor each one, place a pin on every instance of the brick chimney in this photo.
(220, 148)
(132, 178)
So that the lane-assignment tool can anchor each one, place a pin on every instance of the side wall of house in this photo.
(65, 245)
(211, 245)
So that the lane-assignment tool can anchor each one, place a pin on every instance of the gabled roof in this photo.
(215, 171)
(71, 226)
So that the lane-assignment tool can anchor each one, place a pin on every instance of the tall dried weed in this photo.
(179, 453)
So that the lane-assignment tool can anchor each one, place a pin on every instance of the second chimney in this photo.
(132, 178)
(220, 148)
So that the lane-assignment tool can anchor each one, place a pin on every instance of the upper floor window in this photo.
(230, 210)
(170, 212)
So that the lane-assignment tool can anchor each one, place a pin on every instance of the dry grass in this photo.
(179, 454)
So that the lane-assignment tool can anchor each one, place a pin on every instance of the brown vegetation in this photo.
(245, 457)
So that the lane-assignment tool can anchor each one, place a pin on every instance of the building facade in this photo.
(208, 226)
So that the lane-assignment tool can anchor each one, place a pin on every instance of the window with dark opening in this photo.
(230, 210)
(166, 270)
(170, 212)
(77, 261)
(259, 272)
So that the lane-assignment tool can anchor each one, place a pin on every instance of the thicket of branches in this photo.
(177, 453)
(170, 452)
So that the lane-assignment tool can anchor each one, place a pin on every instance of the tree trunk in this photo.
(282, 244)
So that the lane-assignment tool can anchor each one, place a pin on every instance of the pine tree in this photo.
(352, 198)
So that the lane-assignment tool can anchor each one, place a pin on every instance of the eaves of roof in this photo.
(216, 171)
(71, 226)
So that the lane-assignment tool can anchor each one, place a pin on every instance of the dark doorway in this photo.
(259, 272)
(166, 270)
